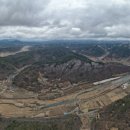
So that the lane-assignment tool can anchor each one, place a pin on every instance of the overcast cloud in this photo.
(57, 19)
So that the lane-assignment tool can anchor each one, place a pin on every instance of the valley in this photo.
(8, 53)
(52, 82)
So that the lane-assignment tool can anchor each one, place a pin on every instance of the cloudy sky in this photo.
(64, 19)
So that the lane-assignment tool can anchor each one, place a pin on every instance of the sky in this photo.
(65, 19)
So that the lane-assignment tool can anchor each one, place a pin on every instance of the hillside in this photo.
(38, 77)
(116, 115)
(70, 122)
(57, 80)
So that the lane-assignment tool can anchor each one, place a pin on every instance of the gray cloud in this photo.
(54, 19)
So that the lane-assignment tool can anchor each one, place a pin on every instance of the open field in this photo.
(88, 99)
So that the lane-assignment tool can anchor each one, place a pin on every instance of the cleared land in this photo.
(91, 97)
